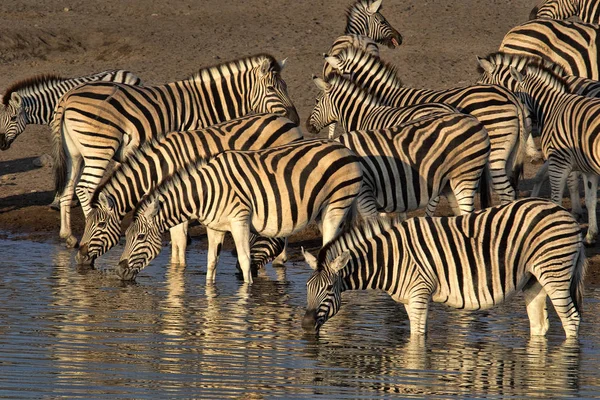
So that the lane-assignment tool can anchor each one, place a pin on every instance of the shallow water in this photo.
(66, 332)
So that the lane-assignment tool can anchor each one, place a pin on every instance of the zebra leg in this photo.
(179, 243)
(539, 179)
(558, 179)
(91, 176)
(280, 260)
(560, 296)
(573, 184)
(215, 242)
(591, 190)
(73, 169)
(502, 186)
(417, 309)
(433, 204)
(241, 236)
(464, 192)
(332, 222)
(453, 203)
(535, 299)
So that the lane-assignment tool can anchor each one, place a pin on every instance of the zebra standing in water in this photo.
(571, 45)
(147, 166)
(32, 101)
(471, 262)
(587, 10)
(273, 192)
(101, 121)
(496, 108)
(570, 134)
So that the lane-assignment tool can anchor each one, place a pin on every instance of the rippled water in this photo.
(74, 333)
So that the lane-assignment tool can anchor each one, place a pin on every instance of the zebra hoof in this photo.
(71, 242)
(589, 242)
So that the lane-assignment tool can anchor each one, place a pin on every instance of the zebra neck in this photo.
(542, 101)
(352, 114)
(40, 99)
(588, 11)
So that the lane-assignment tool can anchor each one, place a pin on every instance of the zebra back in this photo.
(33, 100)
(569, 44)
(587, 10)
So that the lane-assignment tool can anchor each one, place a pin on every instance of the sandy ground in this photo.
(163, 41)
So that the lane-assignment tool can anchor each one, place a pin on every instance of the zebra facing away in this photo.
(32, 101)
(587, 10)
(147, 166)
(273, 192)
(471, 262)
(97, 122)
(571, 45)
(570, 134)
(500, 111)
(405, 167)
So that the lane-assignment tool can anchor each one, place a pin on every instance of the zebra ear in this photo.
(15, 100)
(282, 63)
(152, 210)
(340, 262)
(321, 84)
(517, 76)
(334, 62)
(374, 7)
(485, 64)
(265, 67)
(106, 201)
(310, 259)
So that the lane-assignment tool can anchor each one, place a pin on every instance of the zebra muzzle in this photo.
(83, 256)
(309, 321)
(124, 272)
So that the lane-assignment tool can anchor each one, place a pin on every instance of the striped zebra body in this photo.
(407, 166)
(32, 101)
(150, 164)
(273, 192)
(341, 100)
(100, 121)
(500, 111)
(572, 45)
(470, 262)
(362, 42)
(570, 134)
(587, 10)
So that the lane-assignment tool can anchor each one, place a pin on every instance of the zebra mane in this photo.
(520, 62)
(388, 73)
(549, 77)
(360, 232)
(27, 83)
(347, 86)
(240, 64)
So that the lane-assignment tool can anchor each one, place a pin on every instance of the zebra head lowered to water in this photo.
(364, 18)
(470, 262)
(273, 192)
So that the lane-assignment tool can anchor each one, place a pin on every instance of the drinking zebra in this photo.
(405, 167)
(147, 166)
(273, 192)
(587, 10)
(471, 262)
(100, 121)
(32, 101)
(570, 131)
(500, 111)
(569, 44)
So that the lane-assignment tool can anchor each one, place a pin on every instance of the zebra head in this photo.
(555, 9)
(12, 120)
(102, 230)
(143, 241)
(323, 290)
(364, 18)
(325, 112)
(269, 94)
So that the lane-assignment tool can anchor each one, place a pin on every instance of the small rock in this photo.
(66, 9)
(43, 161)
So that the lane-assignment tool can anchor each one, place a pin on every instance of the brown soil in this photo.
(163, 41)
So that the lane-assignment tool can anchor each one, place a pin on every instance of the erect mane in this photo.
(240, 64)
(360, 232)
(347, 86)
(520, 62)
(548, 76)
(388, 74)
(27, 83)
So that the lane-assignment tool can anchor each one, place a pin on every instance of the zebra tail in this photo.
(576, 288)
(485, 194)
(59, 163)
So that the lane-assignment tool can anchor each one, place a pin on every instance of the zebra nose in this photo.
(124, 272)
(3, 143)
(82, 256)
(310, 127)
(397, 39)
(309, 321)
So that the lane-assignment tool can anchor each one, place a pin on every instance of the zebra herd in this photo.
(224, 147)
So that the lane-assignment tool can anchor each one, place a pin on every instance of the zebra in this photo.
(587, 10)
(569, 133)
(500, 111)
(470, 262)
(32, 100)
(148, 165)
(364, 18)
(571, 45)
(98, 122)
(406, 166)
(262, 251)
(273, 192)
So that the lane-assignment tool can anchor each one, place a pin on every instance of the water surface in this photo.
(72, 333)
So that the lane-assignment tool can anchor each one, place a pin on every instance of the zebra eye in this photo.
(13, 118)
(102, 224)
(141, 236)
(329, 287)
(271, 88)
